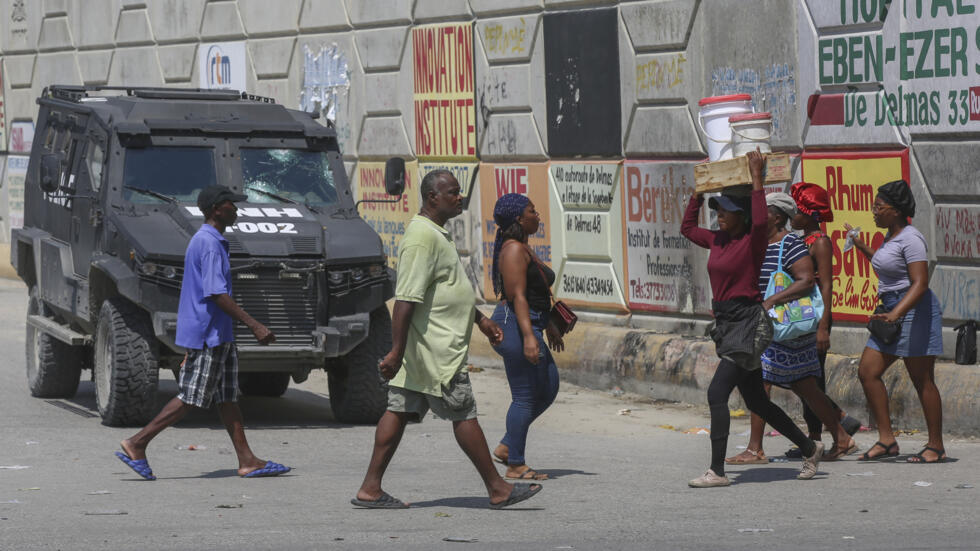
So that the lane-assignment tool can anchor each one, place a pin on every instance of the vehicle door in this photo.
(86, 172)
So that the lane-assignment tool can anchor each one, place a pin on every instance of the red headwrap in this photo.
(813, 201)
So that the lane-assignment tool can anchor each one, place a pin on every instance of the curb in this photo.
(662, 365)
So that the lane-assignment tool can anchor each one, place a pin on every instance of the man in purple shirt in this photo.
(205, 316)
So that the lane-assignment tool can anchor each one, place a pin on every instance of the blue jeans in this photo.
(533, 387)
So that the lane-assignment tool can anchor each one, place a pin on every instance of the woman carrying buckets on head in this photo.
(742, 329)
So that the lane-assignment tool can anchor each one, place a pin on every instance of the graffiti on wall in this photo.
(388, 219)
(326, 87)
(664, 271)
(958, 231)
(506, 38)
(587, 233)
(660, 73)
(851, 181)
(496, 180)
(926, 66)
(958, 290)
(444, 92)
(773, 90)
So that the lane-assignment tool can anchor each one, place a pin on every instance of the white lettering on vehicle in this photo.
(254, 212)
(262, 227)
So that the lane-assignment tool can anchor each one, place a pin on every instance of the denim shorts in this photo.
(922, 327)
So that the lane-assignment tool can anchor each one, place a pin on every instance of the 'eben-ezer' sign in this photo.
(926, 55)
(445, 113)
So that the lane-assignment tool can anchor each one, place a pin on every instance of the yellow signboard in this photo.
(852, 180)
(444, 92)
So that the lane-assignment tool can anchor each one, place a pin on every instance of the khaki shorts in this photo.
(457, 404)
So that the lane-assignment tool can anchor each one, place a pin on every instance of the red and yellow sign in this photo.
(496, 180)
(852, 180)
(388, 219)
(444, 92)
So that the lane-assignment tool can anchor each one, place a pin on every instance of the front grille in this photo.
(286, 306)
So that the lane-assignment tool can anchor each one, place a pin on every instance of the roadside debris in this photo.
(107, 512)
(473, 369)
(625, 411)
(754, 530)
(229, 506)
(668, 427)
(460, 540)
(922, 483)
(31, 489)
(99, 493)
(964, 486)
(440, 514)
(697, 430)
(15, 467)
(192, 447)
(865, 473)
(616, 391)
(736, 413)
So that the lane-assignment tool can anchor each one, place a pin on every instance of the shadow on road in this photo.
(295, 409)
(559, 473)
(470, 502)
(769, 474)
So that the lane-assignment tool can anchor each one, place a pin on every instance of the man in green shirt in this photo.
(433, 317)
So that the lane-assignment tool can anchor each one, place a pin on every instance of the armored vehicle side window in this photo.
(295, 174)
(178, 172)
(96, 159)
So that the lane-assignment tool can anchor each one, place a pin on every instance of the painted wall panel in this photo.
(388, 219)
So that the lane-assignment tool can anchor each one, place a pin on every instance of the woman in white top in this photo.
(901, 264)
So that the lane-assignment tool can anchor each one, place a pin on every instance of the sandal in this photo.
(838, 452)
(890, 451)
(757, 458)
(529, 474)
(919, 458)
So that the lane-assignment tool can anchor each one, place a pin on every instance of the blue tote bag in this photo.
(797, 317)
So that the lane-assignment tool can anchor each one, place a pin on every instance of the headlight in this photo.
(148, 268)
(169, 272)
(358, 274)
(376, 270)
(336, 278)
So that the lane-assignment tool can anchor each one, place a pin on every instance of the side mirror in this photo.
(50, 172)
(395, 176)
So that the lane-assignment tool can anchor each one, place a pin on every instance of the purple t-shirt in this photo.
(891, 261)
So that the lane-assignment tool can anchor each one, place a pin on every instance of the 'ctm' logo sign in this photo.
(218, 66)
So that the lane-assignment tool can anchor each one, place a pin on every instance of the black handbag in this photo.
(966, 343)
(884, 331)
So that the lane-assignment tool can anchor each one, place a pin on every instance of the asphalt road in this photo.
(619, 481)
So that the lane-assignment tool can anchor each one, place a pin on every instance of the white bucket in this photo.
(713, 121)
(750, 131)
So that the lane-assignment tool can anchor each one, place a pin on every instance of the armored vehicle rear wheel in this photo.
(125, 364)
(53, 367)
(356, 392)
(263, 384)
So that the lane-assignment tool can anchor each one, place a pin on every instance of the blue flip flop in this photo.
(139, 466)
(271, 469)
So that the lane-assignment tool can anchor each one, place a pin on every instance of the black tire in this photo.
(263, 384)
(356, 392)
(53, 367)
(125, 369)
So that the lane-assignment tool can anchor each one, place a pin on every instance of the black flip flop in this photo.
(940, 456)
(383, 502)
(518, 494)
(888, 452)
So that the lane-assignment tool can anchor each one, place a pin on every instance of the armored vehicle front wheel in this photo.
(53, 368)
(263, 384)
(125, 364)
(356, 392)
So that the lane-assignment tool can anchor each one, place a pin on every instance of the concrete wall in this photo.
(589, 107)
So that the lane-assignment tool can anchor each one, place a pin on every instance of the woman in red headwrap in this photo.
(813, 208)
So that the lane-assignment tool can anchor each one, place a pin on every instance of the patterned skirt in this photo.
(789, 361)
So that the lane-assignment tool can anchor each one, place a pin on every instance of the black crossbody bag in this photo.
(884, 331)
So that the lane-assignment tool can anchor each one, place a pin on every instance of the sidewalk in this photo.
(668, 366)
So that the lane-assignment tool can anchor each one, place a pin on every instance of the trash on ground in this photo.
(773, 433)
(11, 502)
(440, 514)
(964, 486)
(229, 506)
(865, 473)
(741, 447)
(31, 442)
(922, 483)
(616, 391)
(192, 447)
(697, 430)
(105, 512)
(754, 530)
(31, 489)
(474, 369)
(460, 540)
(99, 493)
(736, 413)
(848, 537)
(745, 432)
(625, 411)
(778, 460)
(15, 467)
(668, 427)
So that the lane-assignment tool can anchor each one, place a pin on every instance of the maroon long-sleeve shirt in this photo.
(733, 264)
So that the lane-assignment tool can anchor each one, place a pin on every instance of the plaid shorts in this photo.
(209, 375)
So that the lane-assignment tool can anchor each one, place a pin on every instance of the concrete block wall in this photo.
(861, 92)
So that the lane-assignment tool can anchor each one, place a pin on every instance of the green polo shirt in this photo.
(431, 275)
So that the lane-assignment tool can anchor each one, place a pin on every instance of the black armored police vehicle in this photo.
(110, 205)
